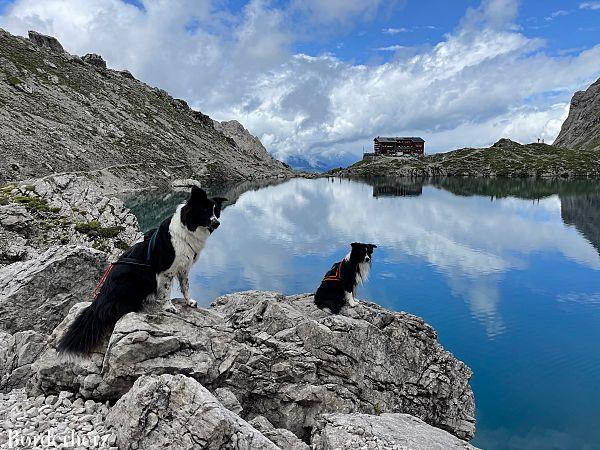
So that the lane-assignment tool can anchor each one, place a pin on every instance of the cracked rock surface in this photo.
(174, 411)
(383, 432)
(282, 358)
(581, 129)
(37, 294)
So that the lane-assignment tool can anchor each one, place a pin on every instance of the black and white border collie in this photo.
(339, 284)
(145, 272)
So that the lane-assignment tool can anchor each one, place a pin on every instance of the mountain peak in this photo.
(581, 130)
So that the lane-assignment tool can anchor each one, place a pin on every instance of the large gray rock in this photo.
(282, 358)
(95, 60)
(17, 354)
(37, 294)
(383, 432)
(305, 362)
(44, 41)
(581, 129)
(174, 411)
(194, 342)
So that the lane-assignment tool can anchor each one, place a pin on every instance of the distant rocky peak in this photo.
(49, 42)
(505, 142)
(95, 60)
(581, 129)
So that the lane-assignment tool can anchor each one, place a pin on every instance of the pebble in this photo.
(90, 406)
(59, 416)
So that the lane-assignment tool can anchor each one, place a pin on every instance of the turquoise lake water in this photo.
(506, 271)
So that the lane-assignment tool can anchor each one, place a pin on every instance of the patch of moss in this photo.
(55, 209)
(32, 203)
(377, 409)
(14, 81)
(30, 188)
(93, 228)
(99, 245)
(121, 245)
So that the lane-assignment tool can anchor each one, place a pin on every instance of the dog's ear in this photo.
(356, 244)
(198, 193)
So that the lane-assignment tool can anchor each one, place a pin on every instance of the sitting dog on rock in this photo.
(339, 285)
(146, 271)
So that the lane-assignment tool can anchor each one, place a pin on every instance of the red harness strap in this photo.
(101, 282)
(337, 276)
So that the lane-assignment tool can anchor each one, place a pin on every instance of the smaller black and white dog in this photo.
(339, 285)
(145, 272)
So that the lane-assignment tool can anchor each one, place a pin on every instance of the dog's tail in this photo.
(85, 332)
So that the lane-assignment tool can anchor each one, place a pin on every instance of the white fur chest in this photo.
(187, 244)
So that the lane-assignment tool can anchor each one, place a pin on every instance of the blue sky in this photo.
(317, 79)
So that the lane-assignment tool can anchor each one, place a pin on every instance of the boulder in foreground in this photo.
(383, 432)
(37, 294)
(174, 411)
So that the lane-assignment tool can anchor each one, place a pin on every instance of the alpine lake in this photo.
(506, 270)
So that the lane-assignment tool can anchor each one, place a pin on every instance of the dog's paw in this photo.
(352, 303)
(192, 303)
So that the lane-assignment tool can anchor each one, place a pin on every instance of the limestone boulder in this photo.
(17, 354)
(175, 411)
(38, 293)
(383, 432)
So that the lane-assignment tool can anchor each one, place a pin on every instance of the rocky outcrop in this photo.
(305, 362)
(282, 358)
(17, 354)
(506, 159)
(38, 293)
(247, 142)
(95, 60)
(177, 411)
(383, 432)
(62, 209)
(120, 132)
(49, 42)
(581, 129)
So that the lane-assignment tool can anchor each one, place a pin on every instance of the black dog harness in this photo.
(129, 262)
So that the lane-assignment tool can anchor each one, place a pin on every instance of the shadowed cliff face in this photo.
(63, 113)
(581, 130)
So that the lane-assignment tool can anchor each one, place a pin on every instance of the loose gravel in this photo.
(55, 421)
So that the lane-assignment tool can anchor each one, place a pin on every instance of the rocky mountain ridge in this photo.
(505, 158)
(64, 113)
(581, 129)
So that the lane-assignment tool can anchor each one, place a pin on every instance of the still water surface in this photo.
(507, 271)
